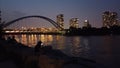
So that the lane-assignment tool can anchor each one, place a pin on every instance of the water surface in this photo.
(105, 50)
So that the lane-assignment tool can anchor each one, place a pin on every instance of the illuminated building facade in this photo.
(74, 23)
(110, 19)
(86, 24)
(60, 20)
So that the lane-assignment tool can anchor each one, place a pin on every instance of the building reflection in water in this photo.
(76, 48)
(17, 37)
(86, 46)
(50, 39)
(31, 40)
(59, 43)
(42, 38)
(46, 39)
(23, 39)
(80, 46)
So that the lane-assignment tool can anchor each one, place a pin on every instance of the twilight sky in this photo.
(82, 9)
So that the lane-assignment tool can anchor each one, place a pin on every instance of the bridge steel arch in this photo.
(36, 16)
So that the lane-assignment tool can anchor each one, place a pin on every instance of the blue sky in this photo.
(82, 9)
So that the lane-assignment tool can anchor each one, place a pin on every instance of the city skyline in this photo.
(90, 10)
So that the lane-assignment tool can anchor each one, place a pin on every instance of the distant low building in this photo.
(86, 24)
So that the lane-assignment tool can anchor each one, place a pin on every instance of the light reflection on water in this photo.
(75, 46)
(79, 46)
(104, 49)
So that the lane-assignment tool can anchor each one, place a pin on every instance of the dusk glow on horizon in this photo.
(82, 9)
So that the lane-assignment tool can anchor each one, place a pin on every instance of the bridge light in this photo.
(12, 31)
(7, 31)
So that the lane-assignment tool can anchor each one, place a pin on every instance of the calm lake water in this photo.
(105, 50)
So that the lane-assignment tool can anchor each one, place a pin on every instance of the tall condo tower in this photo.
(110, 19)
(74, 23)
(60, 20)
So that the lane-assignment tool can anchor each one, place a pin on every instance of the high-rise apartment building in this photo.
(74, 23)
(110, 19)
(60, 20)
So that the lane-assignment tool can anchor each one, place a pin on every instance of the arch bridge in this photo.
(57, 25)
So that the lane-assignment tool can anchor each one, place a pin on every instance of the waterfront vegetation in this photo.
(113, 30)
